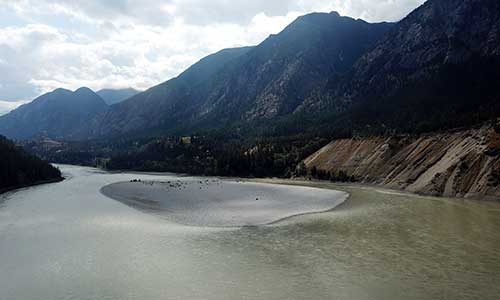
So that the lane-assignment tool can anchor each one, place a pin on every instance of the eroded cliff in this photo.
(454, 164)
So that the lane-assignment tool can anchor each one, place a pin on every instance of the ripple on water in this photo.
(67, 241)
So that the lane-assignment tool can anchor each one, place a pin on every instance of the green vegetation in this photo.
(18, 168)
(267, 157)
(209, 154)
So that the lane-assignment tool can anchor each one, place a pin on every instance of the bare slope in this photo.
(456, 164)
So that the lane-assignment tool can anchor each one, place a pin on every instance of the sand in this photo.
(222, 203)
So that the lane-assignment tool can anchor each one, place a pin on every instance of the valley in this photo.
(415, 100)
(259, 150)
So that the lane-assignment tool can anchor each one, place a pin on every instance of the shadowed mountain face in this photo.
(438, 68)
(59, 114)
(279, 77)
(171, 100)
(111, 96)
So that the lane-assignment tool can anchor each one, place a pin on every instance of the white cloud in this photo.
(46, 44)
(8, 106)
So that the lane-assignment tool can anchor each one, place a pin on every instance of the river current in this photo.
(68, 241)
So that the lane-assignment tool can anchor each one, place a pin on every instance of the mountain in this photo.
(277, 78)
(437, 68)
(387, 93)
(149, 108)
(18, 169)
(329, 75)
(59, 114)
(111, 96)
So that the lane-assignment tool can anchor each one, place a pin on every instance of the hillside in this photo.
(454, 164)
(323, 75)
(437, 68)
(386, 92)
(59, 114)
(19, 169)
(277, 78)
(165, 102)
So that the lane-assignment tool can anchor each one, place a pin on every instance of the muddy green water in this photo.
(67, 241)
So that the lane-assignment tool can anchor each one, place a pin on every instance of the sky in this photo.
(48, 44)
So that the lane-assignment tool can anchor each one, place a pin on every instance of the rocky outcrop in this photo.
(453, 164)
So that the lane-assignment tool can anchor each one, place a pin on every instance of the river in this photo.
(68, 241)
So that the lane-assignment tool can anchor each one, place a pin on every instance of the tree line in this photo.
(18, 168)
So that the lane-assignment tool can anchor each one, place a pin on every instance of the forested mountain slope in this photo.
(18, 169)
(437, 68)
(279, 77)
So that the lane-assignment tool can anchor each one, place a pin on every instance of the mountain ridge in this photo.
(114, 96)
(264, 81)
(62, 114)
(332, 74)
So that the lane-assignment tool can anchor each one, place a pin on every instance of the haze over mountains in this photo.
(111, 96)
(435, 69)
(61, 114)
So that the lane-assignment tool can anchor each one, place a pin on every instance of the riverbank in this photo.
(68, 241)
(458, 164)
(346, 187)
(41, 182)
(211, 202)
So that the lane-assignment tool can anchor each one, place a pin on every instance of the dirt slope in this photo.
(456, 164)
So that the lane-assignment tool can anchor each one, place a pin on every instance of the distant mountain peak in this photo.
(58, 114)
(84, 89)
(114, 96)
(60, 91)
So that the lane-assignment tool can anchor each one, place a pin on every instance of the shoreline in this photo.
(300, 181)
(334, 184)
(37, 183)
(223, 203)
(304, 182)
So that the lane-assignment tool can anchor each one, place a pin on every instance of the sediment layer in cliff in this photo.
(453, 164)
